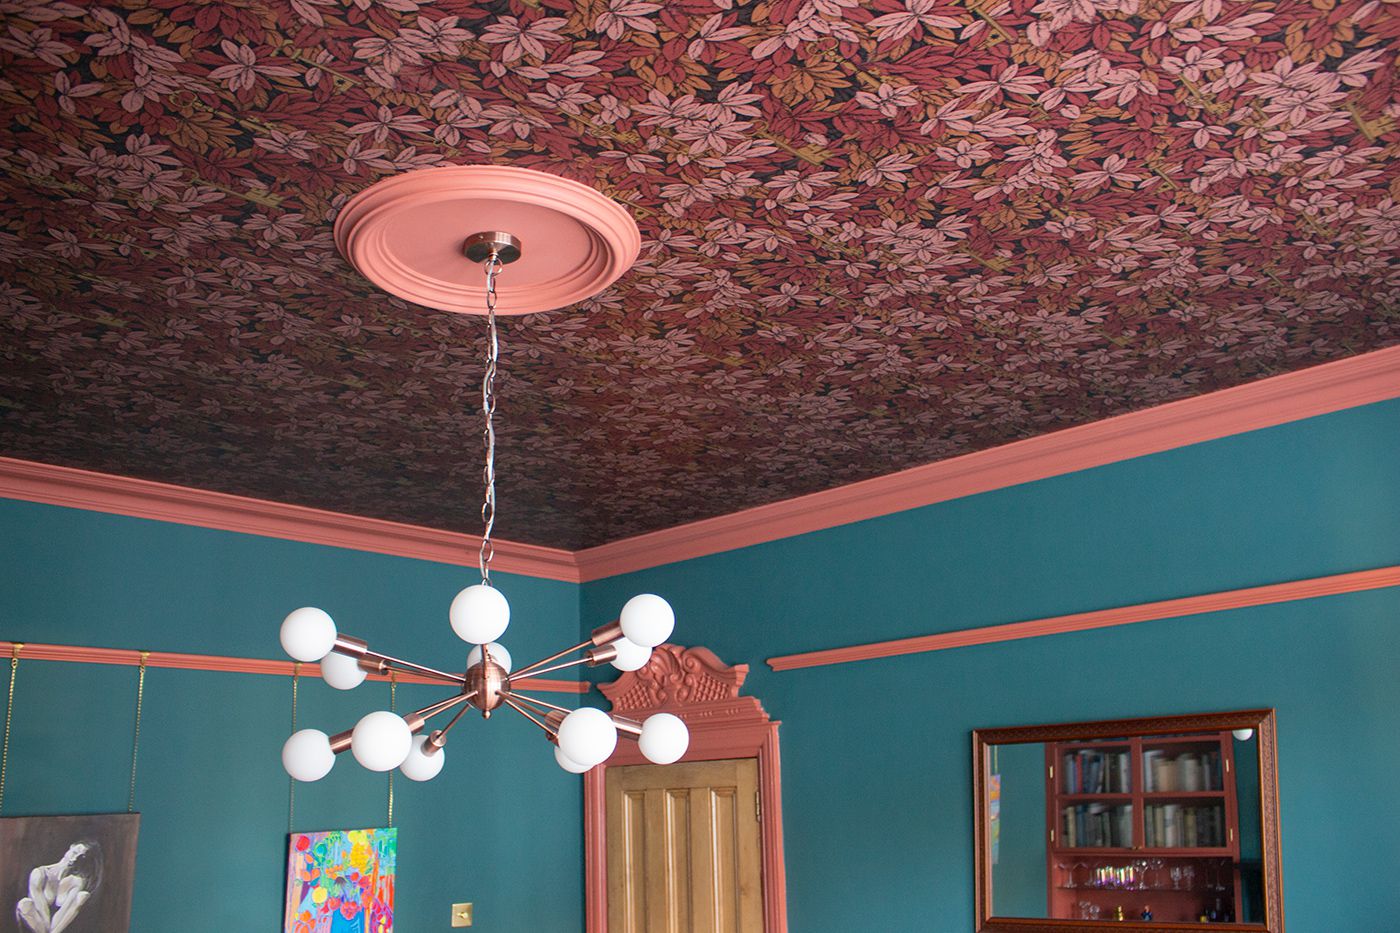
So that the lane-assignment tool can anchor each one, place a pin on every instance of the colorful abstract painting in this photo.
(341, 881)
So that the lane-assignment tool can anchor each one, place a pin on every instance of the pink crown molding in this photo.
(79, 654)
(697, 686)
(1358, 380)
(1311, 588)
(121, 495)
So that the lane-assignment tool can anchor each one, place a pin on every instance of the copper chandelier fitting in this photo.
(383, 740)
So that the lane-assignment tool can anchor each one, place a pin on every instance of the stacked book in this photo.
(1184, 826)
(1097, 825)
(1184, 771)
(1094, 772)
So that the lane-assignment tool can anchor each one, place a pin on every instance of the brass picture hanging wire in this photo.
(136, 733)
(9, 711)
(291, 782)
(393, 708)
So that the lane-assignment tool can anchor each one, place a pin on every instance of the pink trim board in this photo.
(1358, 380)
(79, 654)
(182, 505)
(1103, 618)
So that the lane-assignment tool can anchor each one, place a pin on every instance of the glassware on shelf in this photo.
(1176, 877)
(1188, 876)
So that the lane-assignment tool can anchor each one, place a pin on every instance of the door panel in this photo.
(684, 848)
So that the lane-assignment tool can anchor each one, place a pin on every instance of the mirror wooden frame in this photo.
(1260, 720)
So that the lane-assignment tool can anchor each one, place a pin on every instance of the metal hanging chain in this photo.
(136, 734)
(9, 710)
(292, 782)
(488, 408)
(393, 708)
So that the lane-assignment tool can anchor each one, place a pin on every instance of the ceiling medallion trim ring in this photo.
(379, 233)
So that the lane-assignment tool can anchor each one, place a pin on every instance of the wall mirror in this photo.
(1145, 824)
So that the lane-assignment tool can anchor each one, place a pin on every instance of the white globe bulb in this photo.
(630, 655)
(1244, 735)
(664, 738)
(647, 620)
(587, 736)
(307, 755)
(308, 634)
(567, 763)
(381, 741)
(499, 654)
(342, 671)
(479, 614)
(419, 766)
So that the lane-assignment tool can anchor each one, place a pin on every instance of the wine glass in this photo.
(1176, 877)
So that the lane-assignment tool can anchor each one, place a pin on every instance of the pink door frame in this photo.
(704, 691)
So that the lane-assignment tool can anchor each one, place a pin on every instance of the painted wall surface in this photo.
(211, 790)
(878, 817)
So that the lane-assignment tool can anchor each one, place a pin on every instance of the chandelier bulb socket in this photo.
(340, 742)
(607, 634)
(373, 664)
(479, 247)
(350, 646)
(601, 655)
(436, 740)
(628, 727)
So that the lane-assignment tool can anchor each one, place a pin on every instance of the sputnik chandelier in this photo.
(404, 234)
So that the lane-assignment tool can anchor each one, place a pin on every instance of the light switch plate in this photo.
(462, 914)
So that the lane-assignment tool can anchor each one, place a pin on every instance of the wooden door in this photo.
(684, 848)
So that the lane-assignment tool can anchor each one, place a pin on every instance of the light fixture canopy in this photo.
(404, 234)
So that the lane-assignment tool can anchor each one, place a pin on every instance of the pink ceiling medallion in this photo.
(408, 234)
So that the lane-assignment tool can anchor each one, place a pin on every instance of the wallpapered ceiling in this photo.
(876, 235)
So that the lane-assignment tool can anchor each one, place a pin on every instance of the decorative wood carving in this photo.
(692, 679)
(704, 691)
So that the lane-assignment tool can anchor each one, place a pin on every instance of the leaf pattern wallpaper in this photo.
(875, 235)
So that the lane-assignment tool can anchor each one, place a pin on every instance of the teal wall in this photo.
(877, 783)
(211, 790)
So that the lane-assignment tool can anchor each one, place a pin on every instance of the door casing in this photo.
(704, 691)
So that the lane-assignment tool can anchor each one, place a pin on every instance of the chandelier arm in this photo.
(529, 669)
(418, 718)
(381, 663)
(439, 736)
(536, 672)
(526, 713)
(535, 701)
